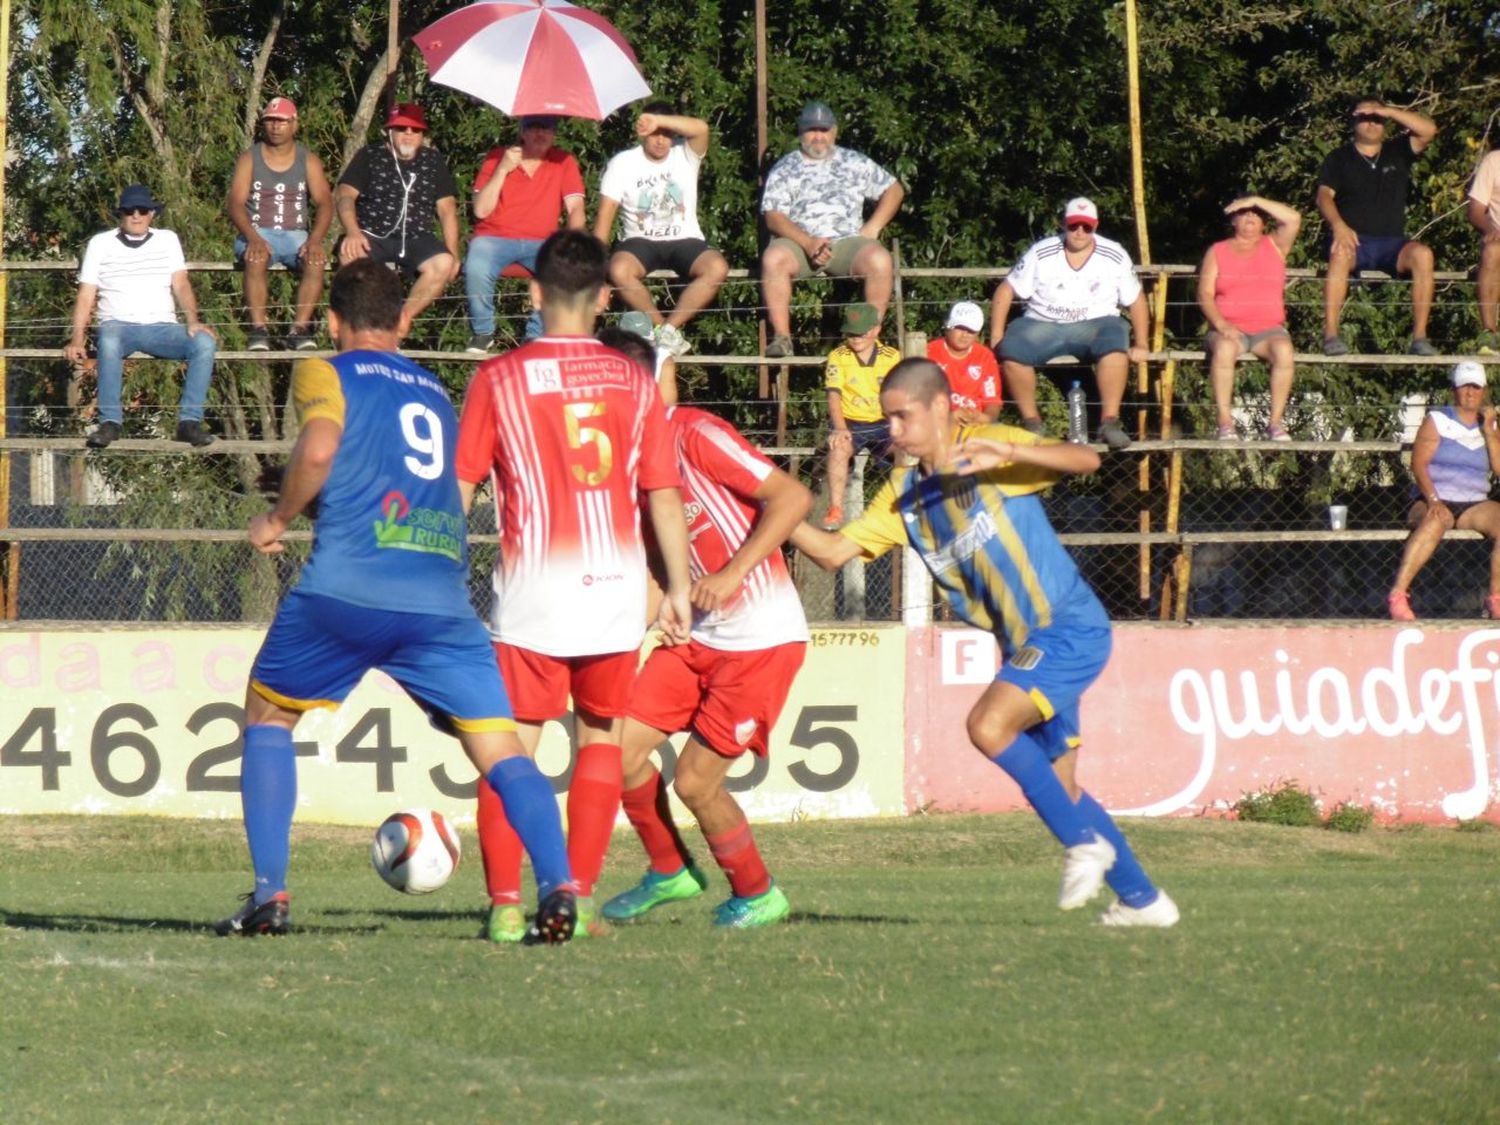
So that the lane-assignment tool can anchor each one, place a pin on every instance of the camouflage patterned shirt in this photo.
(825, 197)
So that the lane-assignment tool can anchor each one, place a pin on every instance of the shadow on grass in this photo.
(93, 923)
(806, 917)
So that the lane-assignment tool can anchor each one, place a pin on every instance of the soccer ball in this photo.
(415, 850)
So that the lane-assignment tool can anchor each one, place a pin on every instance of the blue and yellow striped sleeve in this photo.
(880, 527)
(317, 392)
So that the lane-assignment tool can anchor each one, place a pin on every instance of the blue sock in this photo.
(1027, 764)
(1126, 878)
(532, 811)
(268, 796)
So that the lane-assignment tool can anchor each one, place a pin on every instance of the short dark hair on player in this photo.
(659, 107)
(919, 378)
(367, 296)
(571, 264)
(613, 336)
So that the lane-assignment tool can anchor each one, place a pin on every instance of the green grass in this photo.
(926, 974)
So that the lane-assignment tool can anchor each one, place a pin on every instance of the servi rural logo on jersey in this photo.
(431, 530)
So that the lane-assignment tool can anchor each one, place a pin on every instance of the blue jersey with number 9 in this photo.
(391, 532)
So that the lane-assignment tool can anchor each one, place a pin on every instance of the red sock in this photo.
(651, 817)
(593, 804)
(499, 848)
(737, 854)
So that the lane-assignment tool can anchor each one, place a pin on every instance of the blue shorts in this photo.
(285, 246)
(1055, 667)
(1033, 342)
(874, 436)
(1379, 252)
(319, 648)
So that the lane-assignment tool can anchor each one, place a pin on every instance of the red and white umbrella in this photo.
(523, 57)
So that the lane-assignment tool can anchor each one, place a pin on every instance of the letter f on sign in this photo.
(968, 656)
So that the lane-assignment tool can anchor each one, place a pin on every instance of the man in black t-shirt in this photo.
(385, 201)
(1362, 197)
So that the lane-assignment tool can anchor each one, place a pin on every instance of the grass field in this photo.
(926, 974)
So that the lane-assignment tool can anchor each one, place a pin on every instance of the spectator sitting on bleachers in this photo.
(1484, 214)
(973, 374)
(135, 274)
(1454, 459)
(653, 187)
(1362, 196)
(1074, 285)
(813, 205)
(1241, 290)
(520, 191)
(855, 371)
(273, 182)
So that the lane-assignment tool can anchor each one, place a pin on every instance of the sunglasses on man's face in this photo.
(1367, 118)
(135, 211)
(406, 129)
(1081, 226)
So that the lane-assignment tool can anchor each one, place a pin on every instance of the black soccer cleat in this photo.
(555, 920)
(272, 917)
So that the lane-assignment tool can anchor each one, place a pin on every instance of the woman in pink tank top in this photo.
(1240, 288)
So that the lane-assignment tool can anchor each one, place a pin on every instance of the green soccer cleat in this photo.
(747, 913)
(506, 925)
(590, 923)
(653, 890)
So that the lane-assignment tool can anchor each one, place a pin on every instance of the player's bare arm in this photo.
(828, 549)
(675, 619)
(312, 461)
(785, 503)
(979, 455)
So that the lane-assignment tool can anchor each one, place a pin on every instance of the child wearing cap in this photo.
(973, 373)
(1454, 461)
(855, 371)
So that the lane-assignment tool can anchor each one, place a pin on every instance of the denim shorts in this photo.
(285, 246)
(1033, 342)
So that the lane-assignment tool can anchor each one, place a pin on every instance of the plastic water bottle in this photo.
(1078, 418)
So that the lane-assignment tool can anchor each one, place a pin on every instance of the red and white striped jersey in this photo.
(721, 472)
(572, 432)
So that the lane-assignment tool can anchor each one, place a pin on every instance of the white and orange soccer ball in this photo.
(415, 850)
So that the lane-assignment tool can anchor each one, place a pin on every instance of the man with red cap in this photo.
(384, 200)
(273, 183)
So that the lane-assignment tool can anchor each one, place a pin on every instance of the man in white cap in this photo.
(1454, 461)
(973, 375)
(813, 205)
(274, 180)
(1074, 285)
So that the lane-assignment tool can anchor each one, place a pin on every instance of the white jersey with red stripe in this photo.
(572, 432)
(721, 472)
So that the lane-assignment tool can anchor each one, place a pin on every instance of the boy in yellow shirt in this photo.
(856, 369)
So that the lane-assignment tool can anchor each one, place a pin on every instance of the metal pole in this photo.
(762, 140)
(11, 583)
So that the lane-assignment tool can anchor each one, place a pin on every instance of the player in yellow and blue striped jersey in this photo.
(970, 507)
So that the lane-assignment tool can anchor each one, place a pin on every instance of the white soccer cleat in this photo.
(1158, 914)
(1083, 872)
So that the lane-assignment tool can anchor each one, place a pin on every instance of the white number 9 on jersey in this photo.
(423, 431)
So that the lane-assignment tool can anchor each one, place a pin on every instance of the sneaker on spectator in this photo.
(272, 917)
(1488, 343)
(671, 340)
(1334, 345)
(1421, 345)
(258, 339)
(779, 346)
(1277, 433)
(104, 433)
(194, 433)
(1112, 434)
(1226, 433)
(1160, 913)
(1399, 603)
(833, 517)
(479, 343)
(1034, 426)
(300, 340)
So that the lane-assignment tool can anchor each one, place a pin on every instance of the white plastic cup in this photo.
(1338, 516)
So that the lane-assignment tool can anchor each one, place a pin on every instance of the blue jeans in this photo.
(117, 339)
(286, 246)
(486, 258)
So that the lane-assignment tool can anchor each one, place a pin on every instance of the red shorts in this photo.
(539, 685)
(730, 700)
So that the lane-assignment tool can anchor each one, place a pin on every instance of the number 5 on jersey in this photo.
(585, 428)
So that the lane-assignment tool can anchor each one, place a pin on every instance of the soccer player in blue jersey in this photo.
(970, 508)
(385, 587)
